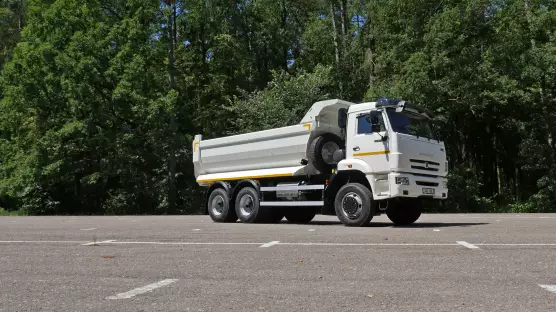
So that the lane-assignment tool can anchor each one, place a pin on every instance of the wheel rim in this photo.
(352, 205)
(327, 152)
(217, 205)
(246, 205)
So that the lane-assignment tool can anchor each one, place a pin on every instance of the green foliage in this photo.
(99, 101)
(283, 102)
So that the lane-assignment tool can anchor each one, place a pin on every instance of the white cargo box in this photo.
(264, 154)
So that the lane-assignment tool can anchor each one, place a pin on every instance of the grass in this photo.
(5, 213)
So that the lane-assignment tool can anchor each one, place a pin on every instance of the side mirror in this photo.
(342, 118)
(375, 121)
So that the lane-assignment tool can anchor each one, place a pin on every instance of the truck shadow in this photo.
(427, 224)
(389, 224)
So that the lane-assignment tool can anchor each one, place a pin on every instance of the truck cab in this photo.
(393, 144)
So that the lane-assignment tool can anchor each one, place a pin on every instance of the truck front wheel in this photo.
(247, 206)
(404, 212)
(219, 207)
(353, 204)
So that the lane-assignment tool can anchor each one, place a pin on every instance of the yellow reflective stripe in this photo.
(371, 153)
(308, 126)
(195, 146)
(247, 177)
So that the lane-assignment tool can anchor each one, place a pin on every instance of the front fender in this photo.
(355, 164)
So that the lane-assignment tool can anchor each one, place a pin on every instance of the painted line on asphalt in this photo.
(551, 288)
(367, 244)
(96, 243)
(512, 244)
(142, 290)
(436, 230)
(311, 230)
(90, 229)
(269, 244)
(466, 244)
(42, 242)
(196, 229)
(115, 242)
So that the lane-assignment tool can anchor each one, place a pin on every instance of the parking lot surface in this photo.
(450, 262)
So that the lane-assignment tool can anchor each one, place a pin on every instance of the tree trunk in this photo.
(173, 124)
(20, 16)
(334, 34)
(284, 26)
(345, 24)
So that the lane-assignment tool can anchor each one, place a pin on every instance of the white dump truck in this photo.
(351, 160)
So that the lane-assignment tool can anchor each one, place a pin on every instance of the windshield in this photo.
(412, 124)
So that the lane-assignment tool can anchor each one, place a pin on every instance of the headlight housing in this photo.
(445, 184)
(402, 180)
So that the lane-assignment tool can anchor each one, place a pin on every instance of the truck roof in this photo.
(325, 110)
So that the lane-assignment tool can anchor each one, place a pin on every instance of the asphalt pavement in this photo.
(451, 262)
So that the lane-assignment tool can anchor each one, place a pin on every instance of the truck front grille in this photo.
(420, 161)
(424, 168)
(425, 165)
(424, 183)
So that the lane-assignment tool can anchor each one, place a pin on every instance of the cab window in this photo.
(364, 124)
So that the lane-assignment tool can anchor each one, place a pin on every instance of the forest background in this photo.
(100, 99)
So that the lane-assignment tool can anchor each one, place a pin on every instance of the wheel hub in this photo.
(217, 205)
(352, 205)
(327, 152)
(246, 205)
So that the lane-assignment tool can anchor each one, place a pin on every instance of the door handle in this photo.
(356, 149)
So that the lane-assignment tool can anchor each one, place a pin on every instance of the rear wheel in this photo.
(219, 206)
(247, 206)
(354, 205)
(300, 214)
(404, 212)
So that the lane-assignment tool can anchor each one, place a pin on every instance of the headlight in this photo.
(445, 184)
(402, 180)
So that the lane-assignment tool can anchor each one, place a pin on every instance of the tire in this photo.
(247, 206)
(300, 215)
(219, 206)
(404, 212)
(321, 152)
(354, 205)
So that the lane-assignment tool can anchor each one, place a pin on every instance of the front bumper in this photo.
(418, 186)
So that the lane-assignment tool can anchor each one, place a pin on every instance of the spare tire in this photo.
(321, 152)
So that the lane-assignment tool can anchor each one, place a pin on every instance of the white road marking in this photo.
(196, 229)
(133, 220)
(42, 242)
(88, 229)
(114, 242)
(512, 244)
(365, 244)
(436, 230)
(96, 243)
(142, 290)
(551, 288)
(466, 244)
(311, 230)
(270, 244)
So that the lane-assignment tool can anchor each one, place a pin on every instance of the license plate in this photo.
(428, 191)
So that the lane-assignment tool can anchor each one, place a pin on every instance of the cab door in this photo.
(368, 145)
